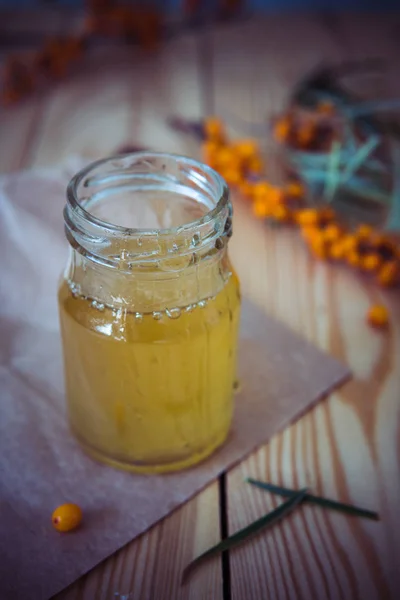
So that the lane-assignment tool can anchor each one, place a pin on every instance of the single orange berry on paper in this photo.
(378, 316)
(66, 517)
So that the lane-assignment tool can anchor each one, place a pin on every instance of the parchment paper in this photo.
(41, 466)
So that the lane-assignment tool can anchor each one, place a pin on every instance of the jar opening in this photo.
(170, 202)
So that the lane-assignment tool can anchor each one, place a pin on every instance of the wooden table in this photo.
(347, 447)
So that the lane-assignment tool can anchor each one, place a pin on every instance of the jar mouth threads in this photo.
(146, 206)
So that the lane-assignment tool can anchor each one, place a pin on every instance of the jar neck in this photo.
(137, 211)
(146, 291)
(146, 267)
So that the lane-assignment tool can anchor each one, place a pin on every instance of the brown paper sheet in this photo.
(41, 465)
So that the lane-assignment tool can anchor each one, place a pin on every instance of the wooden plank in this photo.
(347, 447)
(151, 566)
(123, 98)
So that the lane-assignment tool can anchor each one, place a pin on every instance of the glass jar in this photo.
(149, 308)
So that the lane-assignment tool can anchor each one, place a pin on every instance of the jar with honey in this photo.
(149, 309)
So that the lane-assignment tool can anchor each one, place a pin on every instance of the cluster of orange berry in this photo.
(53, 61)
(121, 20)
(308, 129)
(364, 249)
(240, 163)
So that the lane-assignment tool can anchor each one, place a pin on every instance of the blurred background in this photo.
(176, 5)
(95, 77)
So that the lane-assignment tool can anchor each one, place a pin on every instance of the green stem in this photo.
(240, 536)
(324, 502)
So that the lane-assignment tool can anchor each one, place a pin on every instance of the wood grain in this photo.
(151, 566)
(347, 447)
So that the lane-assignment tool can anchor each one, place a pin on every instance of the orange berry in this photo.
(308, 216)
(276, 195)
(66, 517)
(371, 262)
(226, 157)
(319, 250)
(325, 107)
(308, 232)
(261, 209)
(210, 151)
(327, 214)
(246, 149)
(214, 129)
(281, 213)
(337, 251)
(318, 245)
(294, 189)
(305, 134)
(246, 189)
(332, 233)
(363, 232)
(282, 129)
(262, 189)
(353, 258)
(388, 274)
(378, 316)
(232, 176)
(255, 165)
(350, 243)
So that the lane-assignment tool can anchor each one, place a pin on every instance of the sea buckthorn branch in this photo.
(240, 162)
(138, 22)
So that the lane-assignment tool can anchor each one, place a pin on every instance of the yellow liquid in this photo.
(154, 393)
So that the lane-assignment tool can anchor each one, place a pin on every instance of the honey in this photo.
(150, 350)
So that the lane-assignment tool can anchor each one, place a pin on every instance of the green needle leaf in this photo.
(332, 178)
(324, 502)
(243, 534)
(361, 156)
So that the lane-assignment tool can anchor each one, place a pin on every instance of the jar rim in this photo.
(78, 178)
(124, 247)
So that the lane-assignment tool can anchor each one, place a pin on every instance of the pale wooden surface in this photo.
(348, 447)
